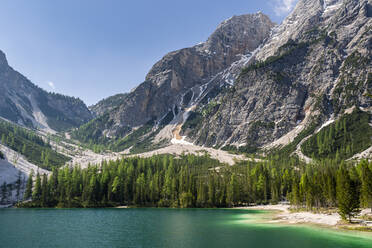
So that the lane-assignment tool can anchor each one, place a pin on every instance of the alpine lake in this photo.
(151, 227)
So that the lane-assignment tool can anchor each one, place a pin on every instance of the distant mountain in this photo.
(315, 66)
(180, 77)
(24, 103)
(256, 85)
(107, 104)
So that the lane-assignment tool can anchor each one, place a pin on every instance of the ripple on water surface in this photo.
(163, 228)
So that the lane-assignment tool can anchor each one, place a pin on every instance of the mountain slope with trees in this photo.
(180, 78)
(192, 181)
(251, 85)
(24, 103)
(345, 137)
(31, 145)
(316, 65)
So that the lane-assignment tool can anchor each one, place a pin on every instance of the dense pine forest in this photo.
(342, 139)
(199, 181)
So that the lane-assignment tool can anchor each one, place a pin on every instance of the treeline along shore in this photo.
(192, 181)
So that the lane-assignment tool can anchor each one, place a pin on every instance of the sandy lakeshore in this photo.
(299, 217)
(332, 219)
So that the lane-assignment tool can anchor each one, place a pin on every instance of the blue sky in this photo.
(92, 49)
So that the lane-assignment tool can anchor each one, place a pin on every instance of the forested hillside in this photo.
(192, 181)
(290, 93)
(139, 140)
(31, 145)
(24, 103)
(345, 137)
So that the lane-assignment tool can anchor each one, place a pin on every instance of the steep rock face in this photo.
(176, 73)
(316, 64)
(258, 89)
(24, 103)
(306, 15)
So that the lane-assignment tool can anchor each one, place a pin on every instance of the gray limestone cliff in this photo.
(315, 65)
(252, 84)
(176, 73)
(24, 103)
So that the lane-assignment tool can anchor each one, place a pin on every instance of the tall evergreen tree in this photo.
(347, 197)
(4, 192)
(366, 187)
(18, 185)
(36, 194)
(44, 191)
(29, 185)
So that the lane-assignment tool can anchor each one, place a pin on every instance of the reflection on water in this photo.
(163, 228)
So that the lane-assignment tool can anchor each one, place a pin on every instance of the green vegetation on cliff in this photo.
(139, 140)
(342, 139)
(30, 145)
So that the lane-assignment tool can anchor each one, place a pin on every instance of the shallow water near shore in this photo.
(163, 228)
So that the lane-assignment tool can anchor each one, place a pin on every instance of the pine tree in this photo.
(347, 197)
(3, 139)
(305, 191)
(231, 191)
(140, 189)
(366, 187)
(4, 192)
(202, 194)
(36, 194)
(29, 184)
(186, 199)
(24, 149)
(18, 185)
(92, 189)
(44, 191)
(211, 191)
(295, 198)
(115, 185)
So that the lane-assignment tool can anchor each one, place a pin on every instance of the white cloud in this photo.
(283, 7)
(51, 85)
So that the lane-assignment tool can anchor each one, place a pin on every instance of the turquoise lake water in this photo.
(162, 228)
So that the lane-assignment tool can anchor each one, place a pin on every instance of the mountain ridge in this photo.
(299, 83)
(27, 104)
(180, 75)
(300, 75)
(251, 85)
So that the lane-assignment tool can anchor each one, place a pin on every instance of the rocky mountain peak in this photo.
(180, 76)
(237, 32)
(252, 84)
(179, 71)
(316, 63)
(234, 36)
(306, 15)
(3, 60)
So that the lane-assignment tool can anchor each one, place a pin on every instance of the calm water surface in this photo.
(162, 228)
